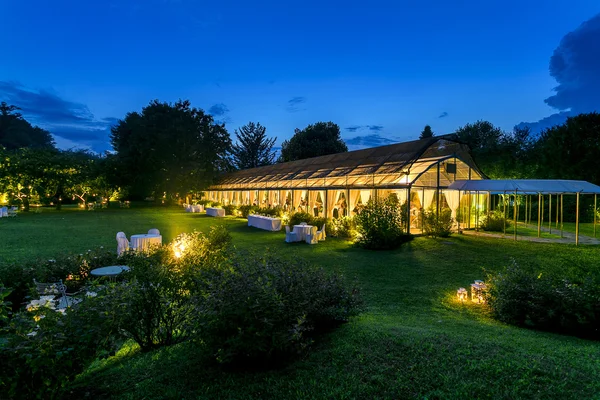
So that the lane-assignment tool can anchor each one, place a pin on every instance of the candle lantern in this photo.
(461, 293)
(477, 290)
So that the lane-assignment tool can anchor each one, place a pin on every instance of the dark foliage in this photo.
(315, 140)
(16, 132)
(520, 296)
(253, 148)
(380, 225)
(266, 309)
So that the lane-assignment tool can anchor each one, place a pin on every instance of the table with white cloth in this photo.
(215, 212)
(145, 241)
(266, 223)
(301, 231)
(194, 208)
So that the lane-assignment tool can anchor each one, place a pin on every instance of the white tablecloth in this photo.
(266, 223)
(215, 212)
(302, 231)
(144, 241)
(194, 208)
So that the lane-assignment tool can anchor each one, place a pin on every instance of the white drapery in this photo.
(401, 195)
(365, 196)
(252, 197)
(333, 196)
(453, 200)
(354, 196)
(428, 198)
(270, 198)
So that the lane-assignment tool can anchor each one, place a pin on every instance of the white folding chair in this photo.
(56, 289)
(312, 238)
(321, 234)
(122, 243)
(153, 231)
(290, 236)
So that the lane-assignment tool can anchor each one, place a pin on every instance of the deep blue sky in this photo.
(381, 70)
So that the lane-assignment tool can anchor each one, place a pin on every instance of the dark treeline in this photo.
(167, 151)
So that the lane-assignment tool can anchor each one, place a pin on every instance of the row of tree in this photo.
(169, 150)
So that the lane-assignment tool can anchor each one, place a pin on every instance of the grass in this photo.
(413, 341)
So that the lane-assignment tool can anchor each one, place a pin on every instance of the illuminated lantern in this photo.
(461, 293)
(477, 290)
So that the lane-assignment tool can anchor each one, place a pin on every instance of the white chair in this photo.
(303, 223)
(153, 231)
(321, 234)
(122, 243)
(12, 212)
(56, 289)
(290, 236)
(312, 237)
(4, 212)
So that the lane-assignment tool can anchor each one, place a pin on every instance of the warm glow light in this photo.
(461, 293)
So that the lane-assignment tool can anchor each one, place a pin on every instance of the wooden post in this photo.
(504, 211)
(407, 210)
(595, 200)
(557, 211)
(542, 207)
(539, 215)
(561, 215)
(530, 207)
(550, 213)
(525, 217)
(477, 211)
(577, 221)
(515, 214)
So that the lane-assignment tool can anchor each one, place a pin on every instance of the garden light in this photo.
(477, 290)
(461, 293)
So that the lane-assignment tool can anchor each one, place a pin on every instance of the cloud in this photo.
(72, 121)
(372, 140)
(375, 128)
(372, 128)
(353, 128)
(574, 65)
(548, 122)
(218, 110)
(295, 104)
(443, 115)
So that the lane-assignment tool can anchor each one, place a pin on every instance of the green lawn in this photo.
(413, 341)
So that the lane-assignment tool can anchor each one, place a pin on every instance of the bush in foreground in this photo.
(265, 309)
(520, 296)
(380, 225)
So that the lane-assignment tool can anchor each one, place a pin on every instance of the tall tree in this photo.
(426, 133)
(169, 149)
(571, 150)
(16, 132)
(320, 139)
(253, 148)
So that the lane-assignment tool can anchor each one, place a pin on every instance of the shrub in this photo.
(267, 309)
(5, 309)
(270, 211)
(379, 225)
(44, 349)
(494, 222)
(230, 209)
(520, 296)
(435, 225)
(247, 210)
(341, 227)
(298, 217)
(73, 269)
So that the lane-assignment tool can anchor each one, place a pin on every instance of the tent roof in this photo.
(526, 186)
(394, 159)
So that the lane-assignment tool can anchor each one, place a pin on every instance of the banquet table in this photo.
(144, 241)
(266, 223)
(301, 231)
(215, 212)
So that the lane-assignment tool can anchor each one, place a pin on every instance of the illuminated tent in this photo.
(338, 184)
